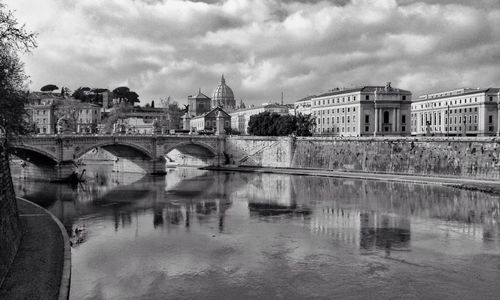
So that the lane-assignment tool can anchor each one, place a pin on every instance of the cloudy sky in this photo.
(173, 47)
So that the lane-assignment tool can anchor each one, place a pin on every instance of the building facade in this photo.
(208, 121)
(364, 111)
(89, 117)
(43, 117)
(241, 117)
(198, 104)
(465, 112)
(303, 106)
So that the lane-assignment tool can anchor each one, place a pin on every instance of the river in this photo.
(197, 234)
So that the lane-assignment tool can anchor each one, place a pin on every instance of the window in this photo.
(403, 119)
(404, 97)
(386, 117)
(348, 109)
(367, 128)
(490, 119)
(403, 128)
(367, 97)
(491, 99)
(367, 119)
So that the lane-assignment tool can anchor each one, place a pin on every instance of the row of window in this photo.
(457, 128)
(344, 99)
(322, 120)
(333, 111)
(450, 102)
(348, 129)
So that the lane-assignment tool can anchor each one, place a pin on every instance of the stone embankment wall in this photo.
(10, 226)
(465, 157)
(259, 151)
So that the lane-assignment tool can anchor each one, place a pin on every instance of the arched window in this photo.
(386, 117)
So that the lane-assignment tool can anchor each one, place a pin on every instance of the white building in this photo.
(303, 106)
(466, 111)
(241, 117)
(363, 111)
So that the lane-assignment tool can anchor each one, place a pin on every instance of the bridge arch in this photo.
(34, 155)
(116, 144)
(189, 153)
(168, 148)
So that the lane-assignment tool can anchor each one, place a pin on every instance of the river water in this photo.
(197, 234)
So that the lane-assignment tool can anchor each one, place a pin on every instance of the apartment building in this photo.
(363, 111)
(460, 112)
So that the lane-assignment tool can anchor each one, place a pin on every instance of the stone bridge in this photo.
(56, 155)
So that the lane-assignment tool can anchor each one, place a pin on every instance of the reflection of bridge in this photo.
(147, 152)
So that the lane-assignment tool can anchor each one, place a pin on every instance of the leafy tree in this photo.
(305, 125)
(49, 88)
(65, 91)
(68, 109)
(124, 94)
(82, 94)
(14, 38)
(273, 124)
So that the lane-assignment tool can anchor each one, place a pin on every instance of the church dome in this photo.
(223, 96)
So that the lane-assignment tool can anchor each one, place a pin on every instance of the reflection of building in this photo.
(368, 110)
(368, 230)
(458, 112)
(223, 96)
(241, 117)
(384, 232)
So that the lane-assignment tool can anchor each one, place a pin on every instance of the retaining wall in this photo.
(464, 157)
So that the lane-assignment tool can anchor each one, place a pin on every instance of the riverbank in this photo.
(42, 266)
(487, 186)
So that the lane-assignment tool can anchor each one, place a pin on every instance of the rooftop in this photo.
(457, 92)
(364, 89)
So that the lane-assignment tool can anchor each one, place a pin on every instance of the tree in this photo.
(14, 38)
(273, 124)
(124, 94)
(118, 112)
(68, 109)
(49, 88)
(305, 124)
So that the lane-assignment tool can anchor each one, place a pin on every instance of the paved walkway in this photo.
(479, 184)
(42, 266)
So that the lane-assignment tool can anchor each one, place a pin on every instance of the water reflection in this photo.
(248, 223)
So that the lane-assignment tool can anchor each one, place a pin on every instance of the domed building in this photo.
(223, 96)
